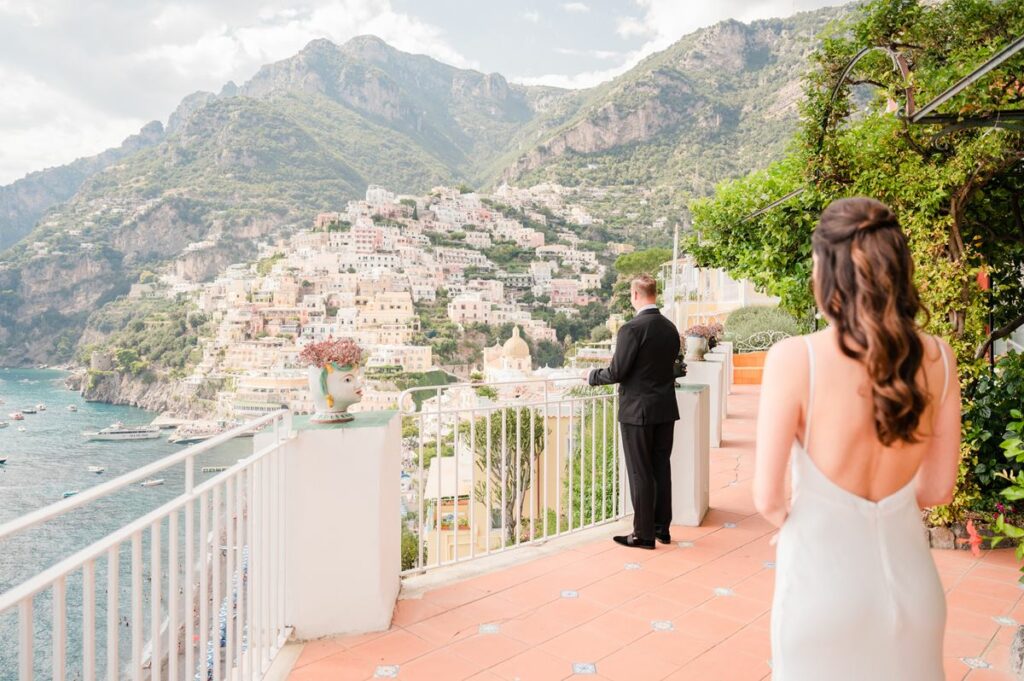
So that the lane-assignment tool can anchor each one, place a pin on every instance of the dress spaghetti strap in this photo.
(810, 391)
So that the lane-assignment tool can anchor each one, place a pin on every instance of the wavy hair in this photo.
(864, 284)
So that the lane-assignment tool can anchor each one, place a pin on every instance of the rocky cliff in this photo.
(180, 398)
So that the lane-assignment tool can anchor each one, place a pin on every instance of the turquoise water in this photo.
(50, 457)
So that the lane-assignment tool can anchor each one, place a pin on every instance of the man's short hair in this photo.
(645, 285)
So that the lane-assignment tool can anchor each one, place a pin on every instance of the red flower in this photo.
(975, 539)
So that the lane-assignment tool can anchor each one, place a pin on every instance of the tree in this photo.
(548, 354)
(642, 262)
(507, 445)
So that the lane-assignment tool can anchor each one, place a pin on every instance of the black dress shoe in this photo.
(634, 542)
(664, 537)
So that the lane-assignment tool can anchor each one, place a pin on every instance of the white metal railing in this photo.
(493, 466)
(207, 603)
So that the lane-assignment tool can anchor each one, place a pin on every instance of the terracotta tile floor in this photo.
(695, 611)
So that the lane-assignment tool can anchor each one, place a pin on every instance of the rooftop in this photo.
(697, 609)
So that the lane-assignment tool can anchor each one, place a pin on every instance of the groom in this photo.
(645, 352)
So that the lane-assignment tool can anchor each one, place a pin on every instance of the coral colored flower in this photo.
(974, 538)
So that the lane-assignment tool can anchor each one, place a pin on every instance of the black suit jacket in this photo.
(645, 351)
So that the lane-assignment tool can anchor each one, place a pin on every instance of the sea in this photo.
(49, 457)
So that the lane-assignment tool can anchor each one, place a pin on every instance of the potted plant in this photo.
(334, 378)
(696, 341)
(714, 333)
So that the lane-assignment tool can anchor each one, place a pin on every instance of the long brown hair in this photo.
(864, 284)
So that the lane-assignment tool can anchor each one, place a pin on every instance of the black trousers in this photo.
(648, 450)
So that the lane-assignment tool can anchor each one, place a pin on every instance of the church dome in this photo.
(515, 346)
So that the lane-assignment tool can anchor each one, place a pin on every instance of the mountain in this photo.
(715, 105)
(25, 201)
(307, 133)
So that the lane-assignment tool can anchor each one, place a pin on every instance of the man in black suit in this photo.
(646, 349)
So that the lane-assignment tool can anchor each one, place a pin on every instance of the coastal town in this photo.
(369, 273)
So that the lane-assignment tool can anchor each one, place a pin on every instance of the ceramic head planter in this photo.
(335, 379)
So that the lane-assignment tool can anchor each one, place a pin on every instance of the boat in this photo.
(69, 493)
(28, 410)
(152, 482)
(41, 407)
(72, 407)
(213, 469)
(16, 416)
(191, 434)
(96, 469)
(3, 460)
(119, 431)
(4, 424)
(22, 429)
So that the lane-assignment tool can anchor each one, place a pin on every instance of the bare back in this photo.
(841, 438)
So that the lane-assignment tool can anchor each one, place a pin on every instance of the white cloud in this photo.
(593, 54)
(174, 48)
(577, 7)
(43, 127)
(533, 16)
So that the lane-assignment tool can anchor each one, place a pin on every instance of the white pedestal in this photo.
(711, 374)
(726, 362)
(691, 450)
(343, 525)
(726, 348)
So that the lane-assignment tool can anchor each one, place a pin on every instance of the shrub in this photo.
(989, 404)
(748, 325)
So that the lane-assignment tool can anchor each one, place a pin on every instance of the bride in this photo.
(866, 414)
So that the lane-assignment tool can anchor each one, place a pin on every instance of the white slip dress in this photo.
(857, 594)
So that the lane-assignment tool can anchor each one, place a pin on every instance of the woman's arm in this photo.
(783, 386)
(936, 476)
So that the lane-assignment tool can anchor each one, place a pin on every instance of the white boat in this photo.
(4, 424)
(72, 407)
(152, 482)
(22, 429)
(41, 407)
(96, 469)
(119, 431)
(3, 460)
(190, 435)
(29, 410)
(16, 416)
(213, 469)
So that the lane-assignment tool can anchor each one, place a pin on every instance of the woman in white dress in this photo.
(866, 414)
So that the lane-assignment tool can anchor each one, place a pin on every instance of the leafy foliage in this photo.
(952, 193)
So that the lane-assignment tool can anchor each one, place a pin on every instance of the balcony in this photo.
(297, 562)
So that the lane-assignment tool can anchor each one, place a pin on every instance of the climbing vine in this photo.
(957, 189)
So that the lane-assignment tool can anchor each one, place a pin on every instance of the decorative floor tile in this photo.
(729, 525)
(569, 593)
(489, 629)
(584, 668)
(724, 591)
(632, 566)
(386, 671)
(769, 565)
(975, 662)
(662, 625)
(1005, 621)
(684, 544)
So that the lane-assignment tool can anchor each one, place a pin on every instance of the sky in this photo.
(78, 76)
